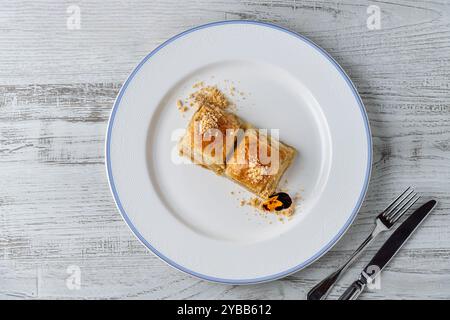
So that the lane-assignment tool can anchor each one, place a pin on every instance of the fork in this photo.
(384, 221)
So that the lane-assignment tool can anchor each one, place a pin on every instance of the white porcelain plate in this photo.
(191, 218)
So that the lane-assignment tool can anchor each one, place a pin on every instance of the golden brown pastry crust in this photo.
(256, 173)
(204, 123)
(239, 157)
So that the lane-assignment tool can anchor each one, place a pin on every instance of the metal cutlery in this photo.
(388, 251)
(384, 221)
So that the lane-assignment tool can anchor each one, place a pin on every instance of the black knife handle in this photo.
(353, 292)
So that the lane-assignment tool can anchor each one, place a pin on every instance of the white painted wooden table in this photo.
(57, 86)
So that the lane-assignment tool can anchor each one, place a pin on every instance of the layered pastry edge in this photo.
(251, 174)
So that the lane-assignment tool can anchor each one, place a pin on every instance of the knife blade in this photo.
(388, 250)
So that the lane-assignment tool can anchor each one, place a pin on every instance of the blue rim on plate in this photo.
(261, 279)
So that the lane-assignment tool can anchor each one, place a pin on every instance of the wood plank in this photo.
(114, 36)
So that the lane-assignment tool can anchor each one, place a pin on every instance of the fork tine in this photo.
(403, 209)
(400, 205)
(398, 201)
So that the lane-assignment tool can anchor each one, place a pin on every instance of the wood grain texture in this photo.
(57, 87)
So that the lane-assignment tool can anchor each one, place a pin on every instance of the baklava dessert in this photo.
(222, 142)
(210, 137)
(258, 162)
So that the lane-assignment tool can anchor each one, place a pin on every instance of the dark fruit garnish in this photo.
(277, 202)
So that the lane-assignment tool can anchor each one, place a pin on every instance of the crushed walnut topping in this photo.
(181, 107)
(210, 96)
(256, 173)
(255, 202)
(208, 121)
(198, 85)
(205, 95)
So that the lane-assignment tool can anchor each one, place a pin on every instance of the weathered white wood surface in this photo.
(57, 87)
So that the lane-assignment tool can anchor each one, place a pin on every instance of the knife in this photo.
(388, 251)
